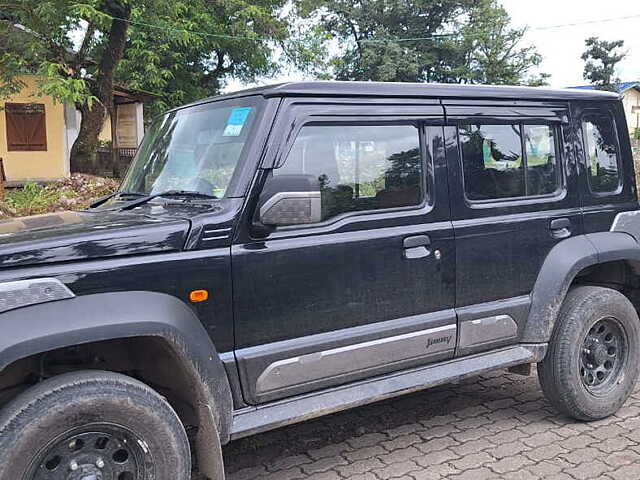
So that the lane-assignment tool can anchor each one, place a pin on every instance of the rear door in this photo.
(514, 196)
(369, 288)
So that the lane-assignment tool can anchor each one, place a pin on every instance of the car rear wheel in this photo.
(592, 364)
(92, 425)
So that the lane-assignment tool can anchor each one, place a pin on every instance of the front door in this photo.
(366, 290)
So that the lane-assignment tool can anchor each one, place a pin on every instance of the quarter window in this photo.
(509, 161)
(602, 153)
(366, 167)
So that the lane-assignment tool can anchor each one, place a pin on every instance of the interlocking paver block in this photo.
(324, 464)
(544, 453)
(507, 449)
(364, 453)
(510, 464)
(361, 466)
(471, 461)
(435, 458)
(476, 474)
(580, 455)
(539, 439)
(396, 470)
(587, 470)
(401, 442)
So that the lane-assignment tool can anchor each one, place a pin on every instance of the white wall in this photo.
(631, 103)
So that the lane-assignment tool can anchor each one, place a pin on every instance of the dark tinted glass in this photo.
(602, 153)
(494, 164)
(541, 160)
(359, 167)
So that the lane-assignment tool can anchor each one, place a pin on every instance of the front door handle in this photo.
(417, 246)
(560, 227)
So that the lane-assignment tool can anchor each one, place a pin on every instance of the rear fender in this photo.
(559, 270)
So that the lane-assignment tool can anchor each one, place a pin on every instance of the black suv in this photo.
(290, 251)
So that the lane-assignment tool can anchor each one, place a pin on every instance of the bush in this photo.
(74, 193)
(30, 199)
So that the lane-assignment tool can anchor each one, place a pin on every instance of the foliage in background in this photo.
(81, 50)
(601, 57)
(187, 66)
(451, 41)
(74, 193)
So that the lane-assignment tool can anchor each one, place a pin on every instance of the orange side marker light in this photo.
(198, 296)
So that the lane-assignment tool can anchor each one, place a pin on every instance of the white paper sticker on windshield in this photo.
(237, 119)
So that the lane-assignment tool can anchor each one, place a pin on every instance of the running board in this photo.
(252, 420)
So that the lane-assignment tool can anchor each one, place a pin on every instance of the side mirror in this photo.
(290, 200)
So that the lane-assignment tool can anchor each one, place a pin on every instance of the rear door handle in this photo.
(417, 241)
(417, 246)
(560, 227)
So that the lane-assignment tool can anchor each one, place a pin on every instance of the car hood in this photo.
(70, 236)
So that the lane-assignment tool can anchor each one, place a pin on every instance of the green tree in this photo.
(602, 57)
(181, 50)
(454, 41)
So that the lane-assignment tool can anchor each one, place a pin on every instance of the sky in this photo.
(562, 47)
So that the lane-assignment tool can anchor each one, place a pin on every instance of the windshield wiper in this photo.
(106, 198)
(169, 193)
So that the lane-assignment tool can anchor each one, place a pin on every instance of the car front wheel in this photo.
(92, 425)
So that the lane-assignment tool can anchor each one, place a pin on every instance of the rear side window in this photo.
(359, 167)
(509, 161)
(601, 147)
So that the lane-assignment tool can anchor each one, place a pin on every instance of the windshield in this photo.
(195, 149)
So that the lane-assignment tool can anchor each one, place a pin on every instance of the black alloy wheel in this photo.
(604, 353)
(96, 452)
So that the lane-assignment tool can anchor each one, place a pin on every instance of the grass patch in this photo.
(74, 193)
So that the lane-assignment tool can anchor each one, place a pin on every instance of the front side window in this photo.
(363, 167)
(509, 161)
(601, 147)
(195, 149)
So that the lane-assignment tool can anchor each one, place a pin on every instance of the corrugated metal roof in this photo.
(622, 86)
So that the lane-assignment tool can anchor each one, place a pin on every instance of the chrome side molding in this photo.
(350, 359)
(487, 330)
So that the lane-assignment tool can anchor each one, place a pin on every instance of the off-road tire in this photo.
(38, 422)
(561, 373)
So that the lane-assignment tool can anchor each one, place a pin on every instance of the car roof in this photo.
(416, 90)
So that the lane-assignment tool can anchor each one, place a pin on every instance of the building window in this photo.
(359, 167)
(509, 161)
(26, 127)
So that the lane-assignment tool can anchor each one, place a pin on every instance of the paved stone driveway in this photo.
(494, 426)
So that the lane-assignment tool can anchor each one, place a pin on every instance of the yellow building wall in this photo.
(47, 165)
(631, 100)
(105, 133)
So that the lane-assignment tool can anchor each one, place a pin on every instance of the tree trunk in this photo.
(84, 150)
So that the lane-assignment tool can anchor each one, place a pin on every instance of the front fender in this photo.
(107, 316)
(560, 268)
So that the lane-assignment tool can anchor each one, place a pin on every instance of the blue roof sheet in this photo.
(622, 86)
